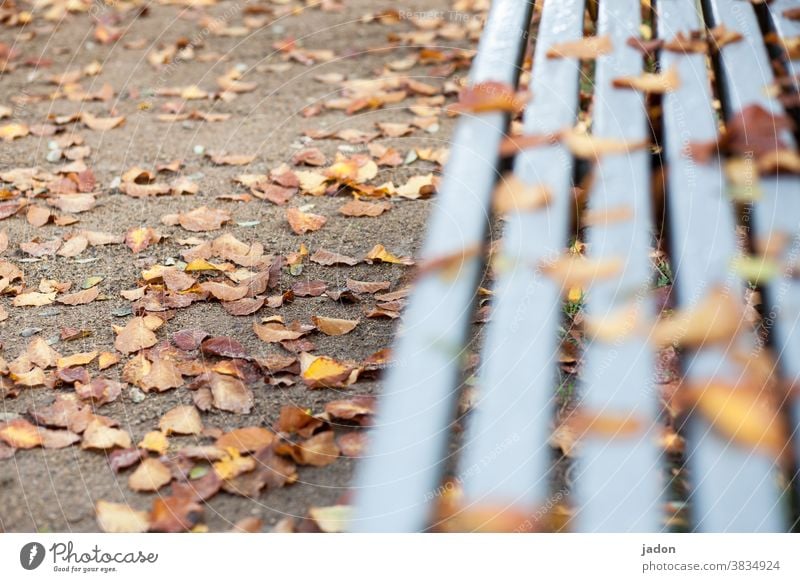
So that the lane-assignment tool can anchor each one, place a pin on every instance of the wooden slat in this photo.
(777, 214)
(406, 456)
(786, 29)
(506, 455)
(733, 489)
(619, 482)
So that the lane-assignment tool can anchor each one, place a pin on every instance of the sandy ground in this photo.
(56, 490)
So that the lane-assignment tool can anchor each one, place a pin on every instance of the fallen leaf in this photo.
(656, 83)
(571, 270)
(746, 415)
(589, 147)
(100, 390)
(361, 208)
(150, 475)
(230, 394)
(302, 222)
(79, 359)
(138, 239)
(174, 514)
(34, 299)
(181, 420)
(40, 353)
(224, 292)
(275, 332)
(716, 318)
(246, 440)
(512, 195)
(101, 123)
(327, 258)
(20, 434)
(120, 518)
(80, 297)
(73, 247)
(155, 441)
(135, 336)
(379, 253)
(204, 219)
(589, 47)
(323, 372)
(331, 326)
(333, 519)
(100, 436)
(487, 97)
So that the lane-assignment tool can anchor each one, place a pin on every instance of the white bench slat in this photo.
(733, 489)
(506, 455)
(619, 482)
(779, 210)
(406, 455)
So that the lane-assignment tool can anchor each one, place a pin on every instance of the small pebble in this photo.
(116, 182)
(49, 312)
(136, 395)
(199, 150)
(29, 331)
(53, 156)
(122, 312)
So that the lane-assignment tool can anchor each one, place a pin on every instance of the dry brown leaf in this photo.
(135, 336)
(138, 239)
(38, 215)
(101, 124)
(327, 258)
(154, 441)
(163, 375)
(80, 297)
(513, 195)
(120, 518)
(100, 436)
(746, 415)
(181, 420)
(150, 475)
(573, 270)
(589, 47)
(174, 514)
(488, 96)
(333, 519)
(379, 253)
(73, 247)
(657, 83)
(302, 222)
(40, 353)
(224, 292)
(716, 318)
(34, 299)
(79, 359)
(324, 372)
(367, 286)
(20, 434)
(246, 440)
(332, 326)
(204, 219)
(230, 393)
(588, 147)
(361, 208)
(231, 159)
(275, 332)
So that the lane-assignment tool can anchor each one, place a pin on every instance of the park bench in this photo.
(729, 221)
